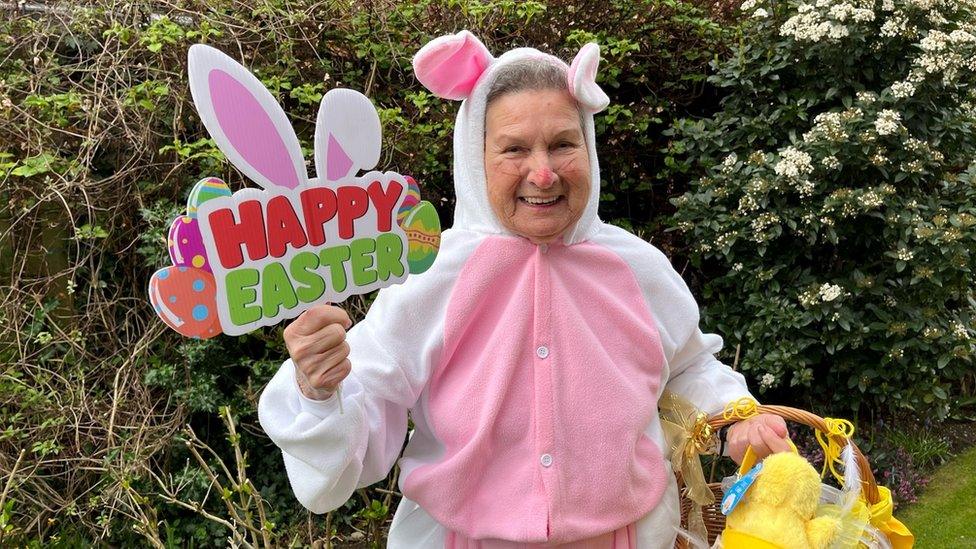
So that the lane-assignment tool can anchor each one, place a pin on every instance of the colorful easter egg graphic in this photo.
(185, 299)
(412, 199)
(205, 189)
(185, 242)
(423, 229)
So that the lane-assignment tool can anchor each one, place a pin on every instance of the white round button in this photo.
(546, 460)
(542, 352)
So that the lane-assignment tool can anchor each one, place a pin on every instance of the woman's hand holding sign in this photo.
(316, 341)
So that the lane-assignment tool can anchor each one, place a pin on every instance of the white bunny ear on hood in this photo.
(582, 79)
(347, 135)
(450, 66)
(245, 120)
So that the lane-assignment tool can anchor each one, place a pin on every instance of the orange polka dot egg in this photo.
(185, 299)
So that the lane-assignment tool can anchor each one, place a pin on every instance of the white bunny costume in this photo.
(531, 373)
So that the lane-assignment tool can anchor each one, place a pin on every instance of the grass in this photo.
(945, 514)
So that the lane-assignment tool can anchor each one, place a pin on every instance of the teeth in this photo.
(540, 201)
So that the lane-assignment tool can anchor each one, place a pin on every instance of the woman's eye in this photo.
(513, 149)
(565, 145)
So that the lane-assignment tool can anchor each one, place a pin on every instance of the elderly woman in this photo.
(530, 357)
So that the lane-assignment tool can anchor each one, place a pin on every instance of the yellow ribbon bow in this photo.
(882, 519)
(688, 435)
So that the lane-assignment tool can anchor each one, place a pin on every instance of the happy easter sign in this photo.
(259, 256)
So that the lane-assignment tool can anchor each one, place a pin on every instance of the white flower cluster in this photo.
(931, 332)
(870, 200)
(793, 163)
(902, 90)
(898, 25)
(748, 5)
(904, 254)
(760, 14)
(825, 19)
(763, 221)
(828, 126)
(758, 185)
(724, 240)
(805, 188)
(831, 162)
(915, 166)
(748, 203)
(767, 380)
(843, 11)
(946, 53)
(866, 97)
(728, 164)
(913, 144)
(959, 330)
(888, 122)
(830, 292)
(826, 292)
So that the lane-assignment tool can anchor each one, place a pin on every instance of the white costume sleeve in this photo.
(693, 370)
(329, 453)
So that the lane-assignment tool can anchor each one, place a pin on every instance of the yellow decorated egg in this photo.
(423, 229)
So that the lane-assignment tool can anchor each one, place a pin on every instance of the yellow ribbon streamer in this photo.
(744, 408)
(688, 435)
(837, 430)
(838, 435)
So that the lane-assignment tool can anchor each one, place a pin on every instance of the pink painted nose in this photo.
(543, 177)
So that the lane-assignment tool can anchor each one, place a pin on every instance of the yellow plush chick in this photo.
(779, 508)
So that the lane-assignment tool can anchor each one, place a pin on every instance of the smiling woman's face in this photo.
(536, 163)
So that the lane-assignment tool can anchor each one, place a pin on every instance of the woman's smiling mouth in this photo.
(537, 201)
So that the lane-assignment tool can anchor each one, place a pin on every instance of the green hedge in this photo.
(837, 216)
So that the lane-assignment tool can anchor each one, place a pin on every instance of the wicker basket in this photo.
(712, 514)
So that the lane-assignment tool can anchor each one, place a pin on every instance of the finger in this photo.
(774, 442)
(318, 364)
(776, 424)
(330, 378)
(737, 443)
(758, 442)
(323, 340)
(318, 317)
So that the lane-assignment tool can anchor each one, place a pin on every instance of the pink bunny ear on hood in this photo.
(450, 66)
(582, 79)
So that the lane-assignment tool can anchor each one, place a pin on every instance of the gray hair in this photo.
(527, 74)
(530, 74)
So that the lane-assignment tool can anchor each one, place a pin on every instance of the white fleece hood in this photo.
(459, 66)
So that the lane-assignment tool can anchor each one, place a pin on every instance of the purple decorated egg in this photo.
(186, 300)
(186, 244)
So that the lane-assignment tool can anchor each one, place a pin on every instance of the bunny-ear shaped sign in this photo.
(236, 108)
(451, 65)
(582, 79)
(347, 135)
(259, 256)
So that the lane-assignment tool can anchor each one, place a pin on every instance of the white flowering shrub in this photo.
(836, 218)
